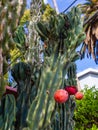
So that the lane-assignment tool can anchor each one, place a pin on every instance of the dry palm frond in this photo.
(91, 39)
(92, 43)
(90, 10)
(89, 7)
(95, 30)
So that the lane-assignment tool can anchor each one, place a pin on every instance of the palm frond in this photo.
(91, 30)
(96, 52)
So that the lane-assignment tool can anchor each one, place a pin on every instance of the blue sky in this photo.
(62, 5)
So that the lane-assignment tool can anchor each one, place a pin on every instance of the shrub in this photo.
(86, 113)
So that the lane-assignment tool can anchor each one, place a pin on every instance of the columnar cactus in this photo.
(10, 14)
(61, 35)
(34, 46)
(37, 81)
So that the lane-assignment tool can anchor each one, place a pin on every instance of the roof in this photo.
(87, 71)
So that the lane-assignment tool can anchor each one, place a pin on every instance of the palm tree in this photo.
(89, 9)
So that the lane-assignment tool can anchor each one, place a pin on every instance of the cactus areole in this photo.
(79, 95)
(72, 90)
(61, 96)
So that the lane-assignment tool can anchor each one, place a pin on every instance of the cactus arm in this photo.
(7, 112)
(1, 62)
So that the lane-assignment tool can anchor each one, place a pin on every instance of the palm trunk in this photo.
(55, 6)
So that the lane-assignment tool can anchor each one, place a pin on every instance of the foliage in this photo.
(48, 11)
(86, 116)
(15, 55)
(94, 127)
(26, 17)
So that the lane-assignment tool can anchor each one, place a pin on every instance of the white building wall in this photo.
(88, 80)
(88, 77)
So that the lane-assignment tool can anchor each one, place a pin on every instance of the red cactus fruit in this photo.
(61, 96)
(79, 95)
(72, 90)
(10, 90)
